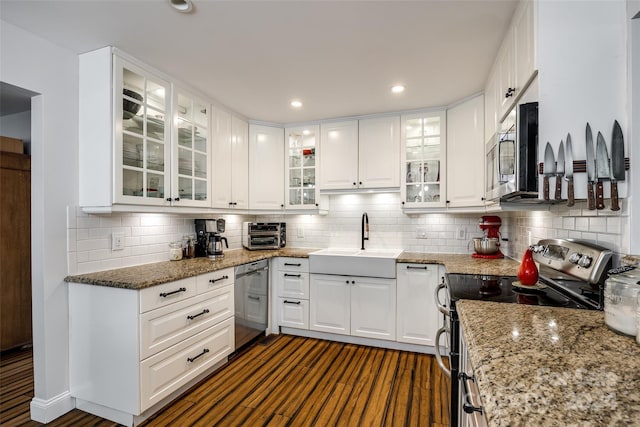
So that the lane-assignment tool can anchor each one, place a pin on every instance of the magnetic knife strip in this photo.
(580, 166)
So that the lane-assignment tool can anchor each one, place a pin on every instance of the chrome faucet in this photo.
(365, 229)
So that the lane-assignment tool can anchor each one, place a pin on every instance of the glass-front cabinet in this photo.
(423, 166)
(302, 191)
(191, 151)
(142, 137)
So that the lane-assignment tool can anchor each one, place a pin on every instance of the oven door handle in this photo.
(436, 295)
(446, 370)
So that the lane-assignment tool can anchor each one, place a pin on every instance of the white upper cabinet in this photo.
(192, 151)
(424, 160)
(506, 76)
(301, 168)
(339, 155)
(379, 153)
(490, 109)
(266, 167)
(360, 154)
(230, 187)
(465, 147)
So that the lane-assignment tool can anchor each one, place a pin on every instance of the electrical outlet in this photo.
(460, 233)
(117, 241)
(300, 233)
(421, 233)
(529, 238)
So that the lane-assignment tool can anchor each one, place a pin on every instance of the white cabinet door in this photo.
(506, 78)
(524, 44)
(239, 163)
(373, 308)
(222, 164)
(293, 313)
(330, 304)
(465, 174)
(339, 155)
(191, 142)
(266, 167)
(293, 285)
(379, 152)
(490, 112)
(418, 317)
(301, 171)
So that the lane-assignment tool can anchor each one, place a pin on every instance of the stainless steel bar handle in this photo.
(436, 296)
(203, 312)
(166, 294)
(467, 406)
(446, 370)
(204, 351)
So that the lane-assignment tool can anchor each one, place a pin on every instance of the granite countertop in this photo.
(550, 366)
(143, 276)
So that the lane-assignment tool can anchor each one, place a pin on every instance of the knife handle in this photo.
(614, 196)
(570, 197)
(599, 195)
(591, 197)
(545, 188)
(558, 195)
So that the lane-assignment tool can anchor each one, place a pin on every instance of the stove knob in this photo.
(585, 261)
(575, 257)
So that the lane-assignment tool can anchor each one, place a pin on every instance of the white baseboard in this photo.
(45, 411)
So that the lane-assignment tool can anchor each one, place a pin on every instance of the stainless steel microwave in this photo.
(264, 235)
(511, 168)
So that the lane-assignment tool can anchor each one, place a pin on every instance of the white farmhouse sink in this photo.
(355, 262)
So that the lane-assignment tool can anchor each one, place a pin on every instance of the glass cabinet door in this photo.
(191, 151)
(142, 157)
(301, 188)
(423, 139)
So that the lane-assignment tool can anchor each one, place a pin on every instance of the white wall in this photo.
(633, 8)
(35, 64)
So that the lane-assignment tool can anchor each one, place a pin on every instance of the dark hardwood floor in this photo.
(281, 381)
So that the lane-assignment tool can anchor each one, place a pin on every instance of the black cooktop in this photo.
(502, 289)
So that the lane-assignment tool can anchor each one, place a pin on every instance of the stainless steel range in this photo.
(572, 275)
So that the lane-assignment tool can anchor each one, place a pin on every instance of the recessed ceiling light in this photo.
(184, 6)
(397, 89)
(296, 103)
(306, 132)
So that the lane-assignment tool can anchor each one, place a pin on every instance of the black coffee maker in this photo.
(208, 238)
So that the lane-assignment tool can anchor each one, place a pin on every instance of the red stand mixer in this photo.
(488, 247)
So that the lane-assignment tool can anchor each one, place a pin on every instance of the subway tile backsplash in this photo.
(147, 235)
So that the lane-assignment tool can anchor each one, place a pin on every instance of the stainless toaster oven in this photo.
(264, 235)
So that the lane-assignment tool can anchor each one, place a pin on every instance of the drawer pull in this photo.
(205, 311)
(291, 275)
(467, 406)
(218, 279)
(204, 351)
(253, 298)
(292, 302)
(411, 267)
(166, 294)
(292, 264)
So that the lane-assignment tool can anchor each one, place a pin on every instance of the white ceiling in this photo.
(339, 57)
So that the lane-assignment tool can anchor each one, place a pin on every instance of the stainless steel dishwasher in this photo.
(251, 301)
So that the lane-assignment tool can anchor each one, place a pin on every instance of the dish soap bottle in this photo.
(528, 272)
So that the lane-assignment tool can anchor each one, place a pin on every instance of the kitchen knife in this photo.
(603, 169)
(548, 169)
(559, 171)
(568, 172)
(617, 164)
(591, 169)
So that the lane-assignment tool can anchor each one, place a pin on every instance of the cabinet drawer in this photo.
(166, 326)
(293, 285)
(167, 293)
(292, 264)
(168, 370)
(294, 313)
(214, 280)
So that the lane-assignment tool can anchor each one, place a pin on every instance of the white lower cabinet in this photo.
(351, 305)
(418, 318)
(292, 289)
(133, 349)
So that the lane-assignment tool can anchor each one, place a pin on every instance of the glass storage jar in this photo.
(175, 251)
(621, 302)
